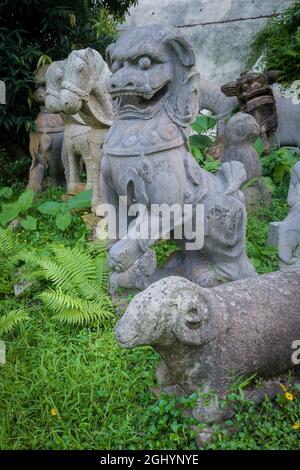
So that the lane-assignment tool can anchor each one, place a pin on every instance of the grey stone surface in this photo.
(45, 145)
(206, 338)
(240, 134)
(84, 99)
(286, 234)
(221, 32)
(288, 133)
(212, 98)
(146, 157)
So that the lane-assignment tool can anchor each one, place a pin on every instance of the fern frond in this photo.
(69, 309)
(8, 241)
(59, 275)
(76, 261)
(11, 319)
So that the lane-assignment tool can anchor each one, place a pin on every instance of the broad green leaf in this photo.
(259, 147)
(279, 172)
(200, 141)
(269, 183)
(197, 154)
(6, 192)
(82, 200)
(25, 200)
(203, 123)
(29, 223)
(50, 208)
(63, 220)
(9, 213)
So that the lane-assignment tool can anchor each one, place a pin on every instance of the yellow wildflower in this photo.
(289, 396)
(296, 426)
(53, 412)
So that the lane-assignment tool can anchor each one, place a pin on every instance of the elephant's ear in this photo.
(108, 54)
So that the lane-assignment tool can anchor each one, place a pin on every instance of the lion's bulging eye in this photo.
(144, 63)
(116, 66)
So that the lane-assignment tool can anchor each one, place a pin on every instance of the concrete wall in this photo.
(221, 30)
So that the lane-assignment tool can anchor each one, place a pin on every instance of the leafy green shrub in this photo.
(62, 210)
(278, 165)
(80, 284)
(204, 137)
(280, 43)
(12, 210)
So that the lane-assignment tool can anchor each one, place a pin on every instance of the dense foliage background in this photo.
(279, 42)
(44, 29)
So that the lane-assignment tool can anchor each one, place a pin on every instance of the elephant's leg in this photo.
(53, 154)
(65, 162)
(74, 172)
(96, 179)
(89, 167)
(36, 176)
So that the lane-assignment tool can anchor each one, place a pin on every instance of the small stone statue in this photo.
(255, 96)
(206, 338)
(45, 145)
(240, 134)
(146, 159)
(286, 234)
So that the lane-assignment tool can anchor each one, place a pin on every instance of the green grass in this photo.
(101, 392)
(73, 387)
(102, 398)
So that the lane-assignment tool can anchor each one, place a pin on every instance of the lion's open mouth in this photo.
(137, 100)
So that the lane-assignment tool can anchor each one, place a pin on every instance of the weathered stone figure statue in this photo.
(146, 158)
(207, 338)
(84, 93)
(212, 98)
(240, 134)
(286, 234)
(45, 145)
(255, 96)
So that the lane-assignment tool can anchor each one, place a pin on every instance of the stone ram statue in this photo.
(146, 159)
(239, 136)
(207, 338)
